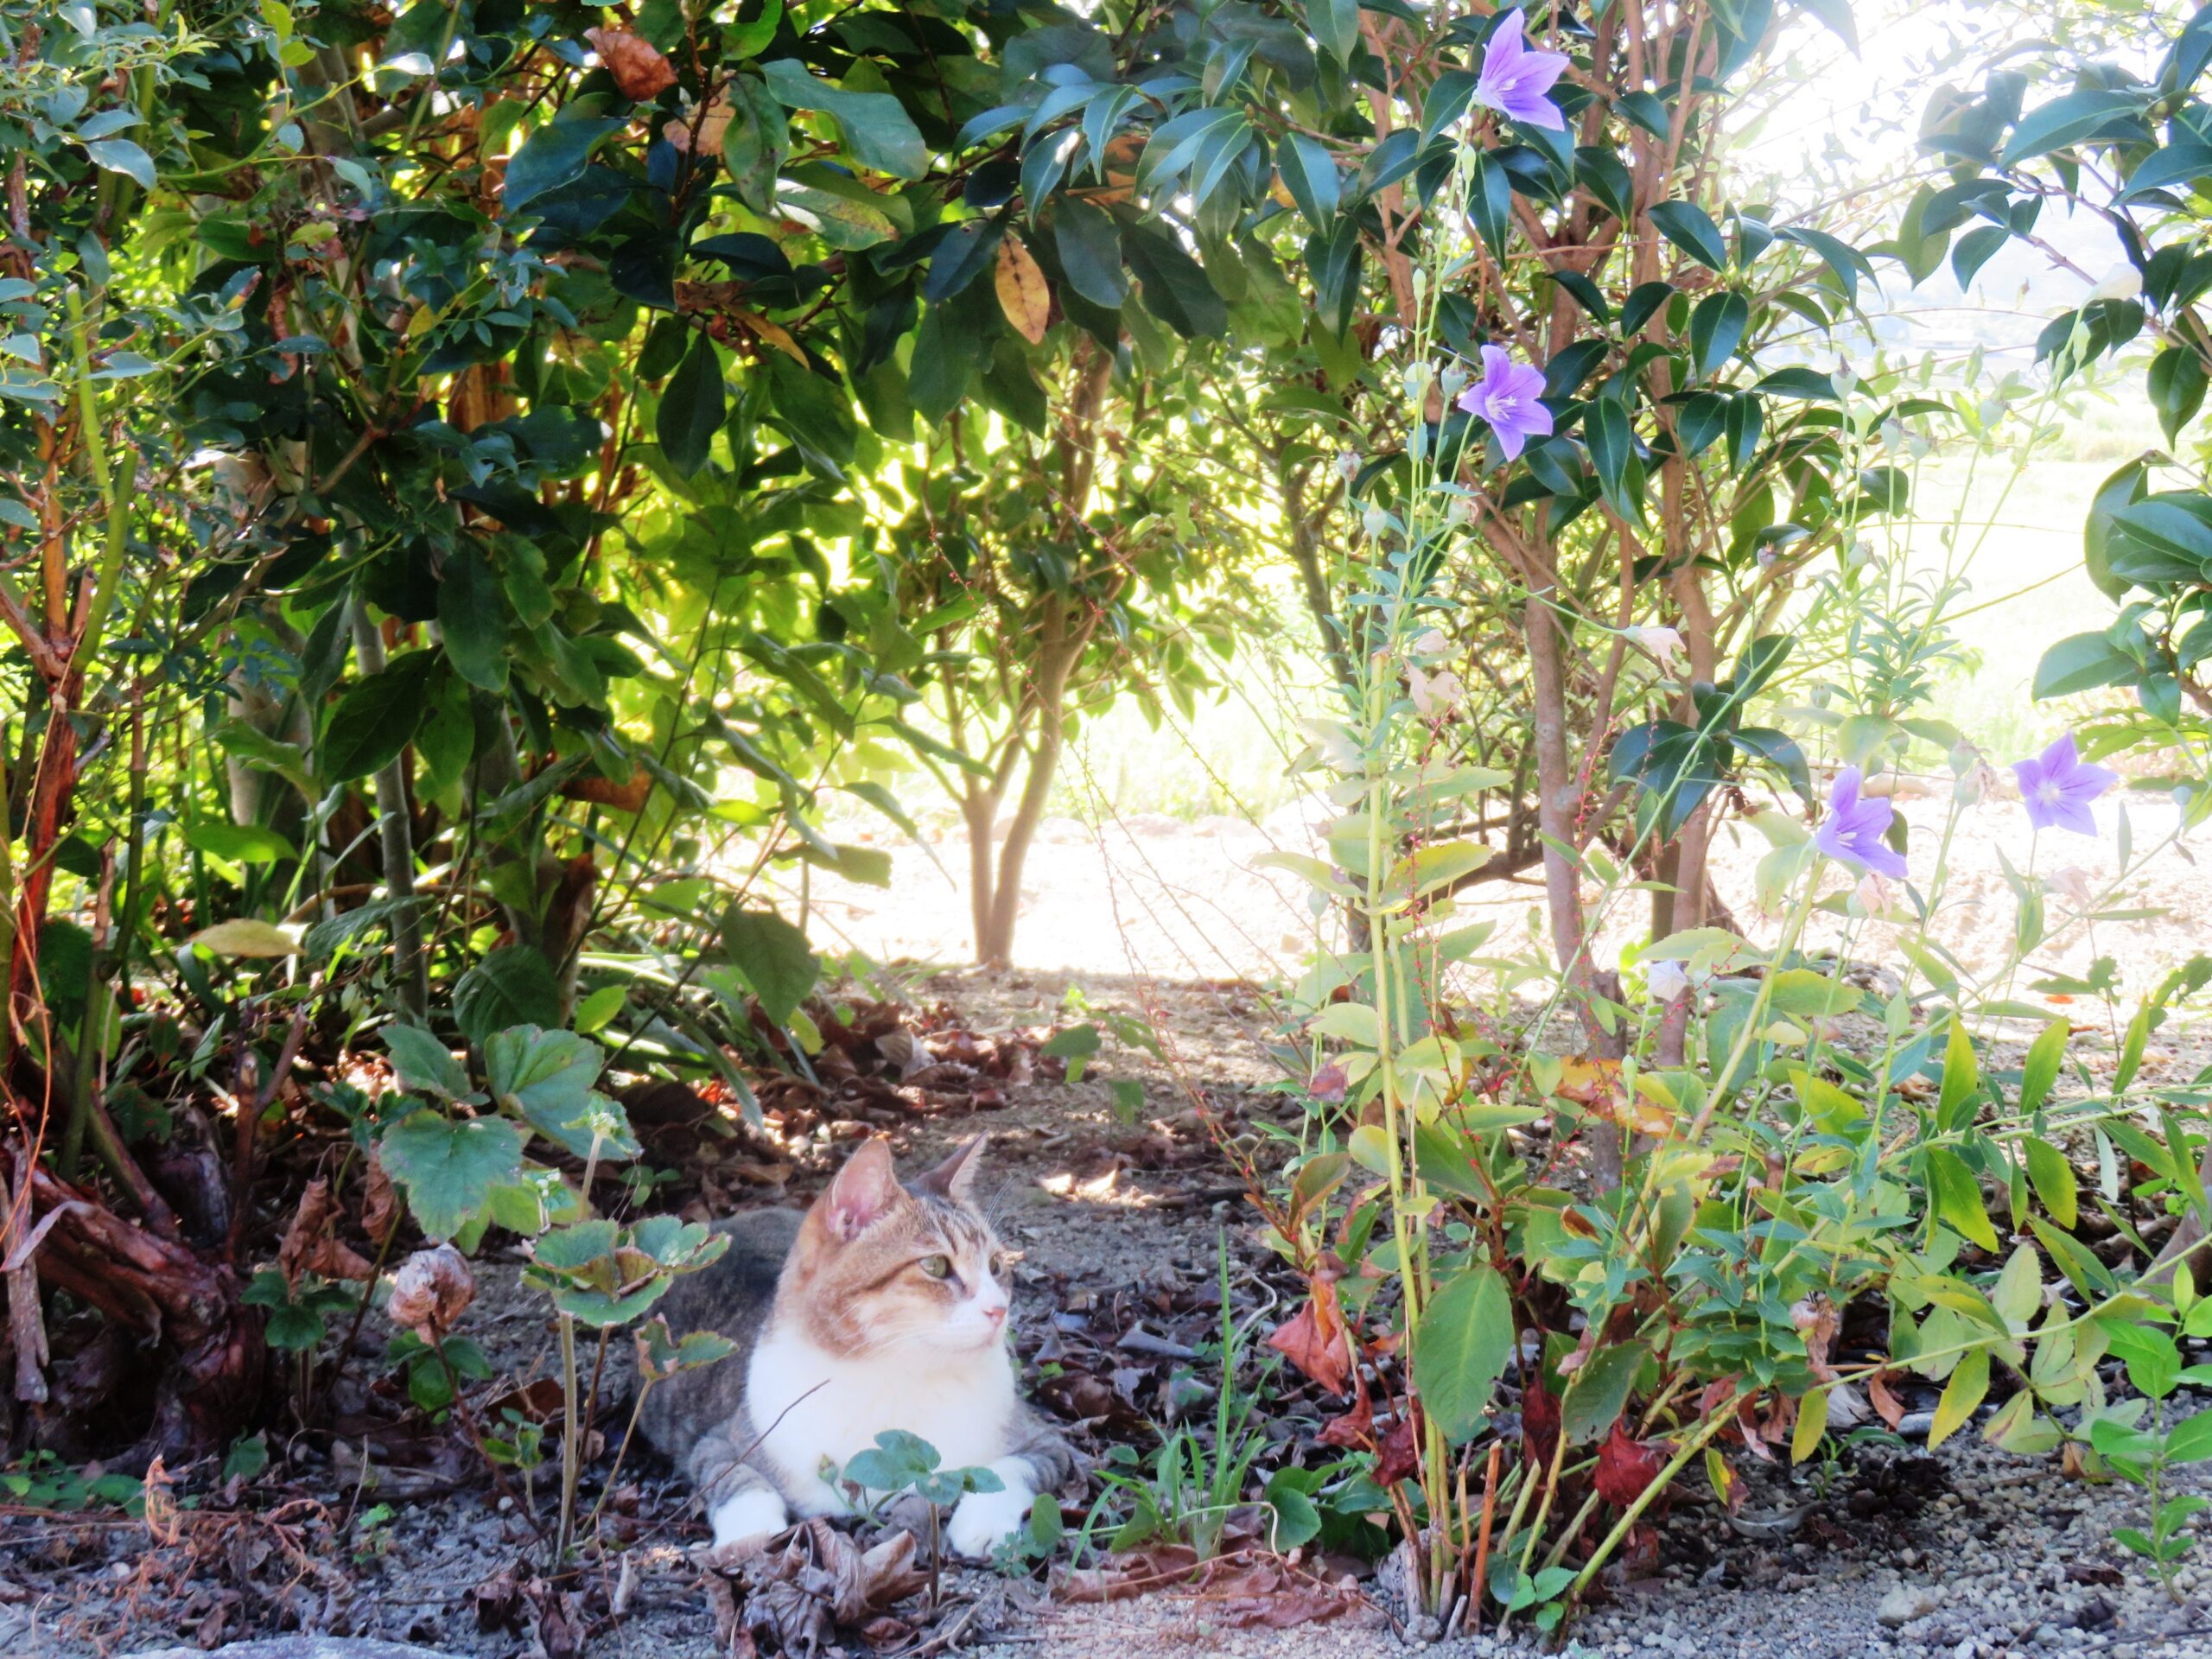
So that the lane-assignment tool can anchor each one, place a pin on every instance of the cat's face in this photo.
(879, 1267)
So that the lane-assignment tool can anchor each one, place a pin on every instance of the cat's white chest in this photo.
(825, 1408)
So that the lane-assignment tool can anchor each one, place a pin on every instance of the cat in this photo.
(883, 1308)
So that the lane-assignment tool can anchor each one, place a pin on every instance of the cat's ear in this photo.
(865, 1190)
(956, 1177)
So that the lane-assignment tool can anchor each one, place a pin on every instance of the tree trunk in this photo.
(995, 945)
(212, 1358)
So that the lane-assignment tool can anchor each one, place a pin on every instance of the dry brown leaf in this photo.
(308, 1246)
(431, 1290)
(379, 1200)
(1815, 1316)
(635, 62)
(1023, 295)
(771, 333)
(1315, 1342)
(1887, 1406)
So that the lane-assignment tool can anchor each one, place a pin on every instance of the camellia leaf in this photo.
(1023, 295)
(472, 618)
(691, 407)
(376, 719)
(875, 126)
(1690, 228)
(1461, 1348)
(448, 1167)
(555, 155)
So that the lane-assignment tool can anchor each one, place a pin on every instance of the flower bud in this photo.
(1845, 380)
(1377, 522)
(1453, 379)
(1347, 466)
(1416, 381)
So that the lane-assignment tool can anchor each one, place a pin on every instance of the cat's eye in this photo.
(936, 1267)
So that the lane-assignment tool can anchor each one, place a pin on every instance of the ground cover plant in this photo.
(501, 502)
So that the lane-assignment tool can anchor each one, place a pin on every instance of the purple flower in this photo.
(2058, 785)
(1506, 396)
(1853, 829)
(1513, 79)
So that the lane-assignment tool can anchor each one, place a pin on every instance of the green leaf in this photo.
(600, 1009)
(1176, 288)
(875, 126)
(423, 1063)
(2067, 120)
(513, 985)
(122, 156)
(2040, 1070)
(1958, 1197)
(1309, 173)
(1597, 1393)
(2054, 1181)
(774, 957)
(239, 843)
(1717, 328)
(2177, 388)
(2090, 1276)
(2190, 1440)
(1090, 247)
(449, 1168)
(547, 1077)
(691, 408)
(555, 155)
(1460, 1348)
(472, 618)
(1961, 1079)
(2083, 662)
(376, 719)
(756, 143)
(1690, 228)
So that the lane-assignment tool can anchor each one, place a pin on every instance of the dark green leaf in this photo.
(512, 985)
(876, 128)
(376, 719)
(1690, 228)
(691, 408)
(449, 1168)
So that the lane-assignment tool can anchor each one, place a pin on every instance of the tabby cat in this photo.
(883, 1308)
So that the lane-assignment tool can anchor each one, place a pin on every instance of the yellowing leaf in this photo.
(1369, 1146)
(1969, 1383)
(1351, 1022)
(245, 937)
(1812, 1424)
(771, 333)
(1023, 295)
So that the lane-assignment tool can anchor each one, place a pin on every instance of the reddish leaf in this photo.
(1399, 1457)
(1315, 1340)
(1626, 1468)
(1539, 1423)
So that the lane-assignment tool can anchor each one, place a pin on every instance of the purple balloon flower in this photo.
(1513, 78)
(1853, 829)
(2058, 785)
(1507, 397)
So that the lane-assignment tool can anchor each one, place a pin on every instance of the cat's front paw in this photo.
(747, 1518)
(983, 1519)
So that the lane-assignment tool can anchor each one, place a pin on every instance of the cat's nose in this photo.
(995, 1313)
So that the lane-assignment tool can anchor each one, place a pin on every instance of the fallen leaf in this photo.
(636, 65)
(1887, 1406)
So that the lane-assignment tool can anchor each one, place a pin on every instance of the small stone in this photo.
(1906, 1603)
